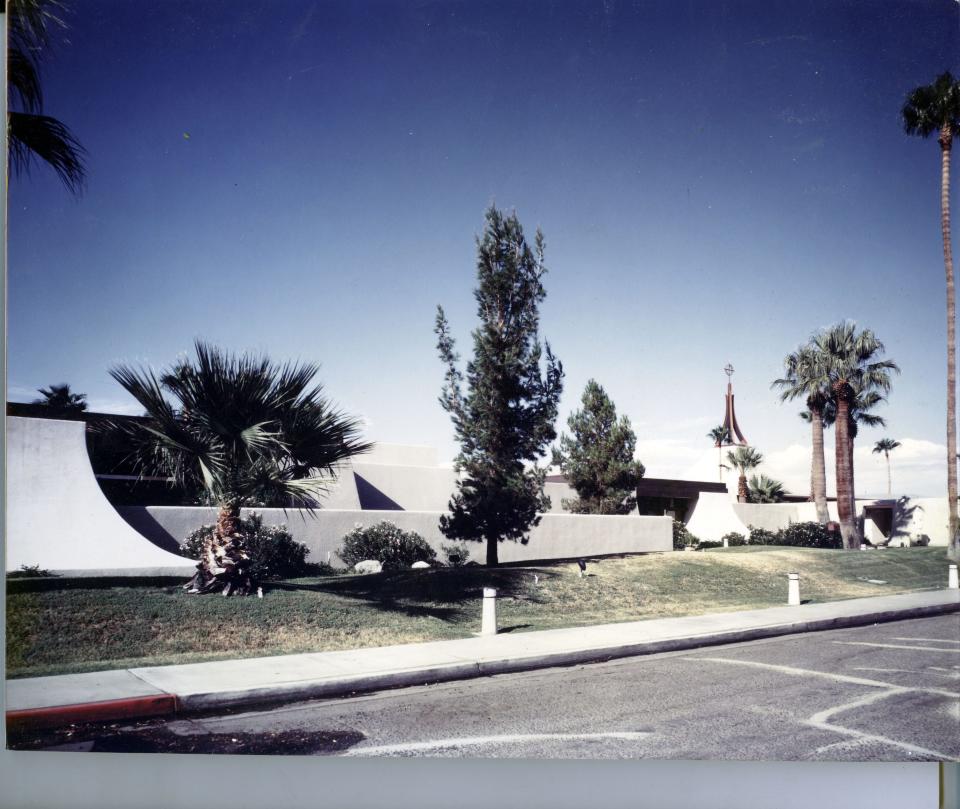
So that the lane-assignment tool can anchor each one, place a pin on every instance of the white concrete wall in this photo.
(924, 518)
(56, 514)
(400, 455)
(412, 488)
(558, 492)
(558, 536)
(773, 516)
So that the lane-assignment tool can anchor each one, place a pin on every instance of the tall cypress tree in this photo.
(504, 420)
(597, 459)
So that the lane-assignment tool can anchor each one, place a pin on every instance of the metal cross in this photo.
(729, 369)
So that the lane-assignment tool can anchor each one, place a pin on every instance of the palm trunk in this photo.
(818, 470)
(889, 479)
(851, 440)
(224, 561)
(946, 141)
(842, 429)
(743, 493)
(492, 560)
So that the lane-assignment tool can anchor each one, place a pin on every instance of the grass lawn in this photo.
(56, 626)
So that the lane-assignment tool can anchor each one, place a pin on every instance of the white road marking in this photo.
(827, 675)
(818, 720)
(892, 671)
(954, 675)
(895, 646)
(476, 741)
(864, 738)
(929, 640)
(821, 717)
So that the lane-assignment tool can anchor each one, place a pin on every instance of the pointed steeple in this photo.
(733, 434)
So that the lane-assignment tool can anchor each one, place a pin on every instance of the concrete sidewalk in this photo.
(164, 690)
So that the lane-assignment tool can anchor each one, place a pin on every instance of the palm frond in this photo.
(40, 136)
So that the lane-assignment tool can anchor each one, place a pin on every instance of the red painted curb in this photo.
(59, 715)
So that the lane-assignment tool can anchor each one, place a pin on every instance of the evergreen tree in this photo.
(597, 460)
(504, 420)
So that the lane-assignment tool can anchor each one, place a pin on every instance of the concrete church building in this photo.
(60, 518)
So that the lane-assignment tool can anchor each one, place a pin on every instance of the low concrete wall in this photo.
(558, 536)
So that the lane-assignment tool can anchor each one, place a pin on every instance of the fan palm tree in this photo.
(765, 490)
(886, 446)
(849, 359)
(805, 377)
(720, 435)
(32, 134)
(860, 406)
(249, 431)
(935, 108)
(743, 459)
(59, 399)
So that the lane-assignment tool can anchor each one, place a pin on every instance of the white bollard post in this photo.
(726, 542)
(488, 625)
(952, 582)
(793, 589)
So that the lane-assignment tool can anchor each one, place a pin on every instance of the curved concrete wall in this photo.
(713, 516)
(57, 516)
(559, 536)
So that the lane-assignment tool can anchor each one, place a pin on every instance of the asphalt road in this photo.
(889, 692)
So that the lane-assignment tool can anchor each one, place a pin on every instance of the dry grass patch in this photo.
(60, 626)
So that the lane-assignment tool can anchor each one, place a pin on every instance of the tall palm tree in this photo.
(886, 446)
(32, 134)
(849, 359)
(935, 108)
(720, 435)
(743, 459)
(765, 490)
(805, 377)
(249, 431)
(60, 399)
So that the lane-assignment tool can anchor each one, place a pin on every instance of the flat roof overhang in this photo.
(667, 487)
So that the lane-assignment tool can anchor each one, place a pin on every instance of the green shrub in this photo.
(457, 553)
(682, 537)
(807, 535)
(705, 544)
(393, 548)
(735, 539)
(274, 553)
(30, 572)
(761, 536)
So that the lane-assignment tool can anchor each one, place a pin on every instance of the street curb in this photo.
(343, 686)
(103, 711)
(166, 704)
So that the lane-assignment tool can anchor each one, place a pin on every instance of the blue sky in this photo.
(714, 181)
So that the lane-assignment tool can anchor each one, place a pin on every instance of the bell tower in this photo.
(733, 434)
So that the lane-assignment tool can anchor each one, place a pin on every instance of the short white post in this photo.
(952, 583)
(726, 542)
(793, 589)
(488, 625)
